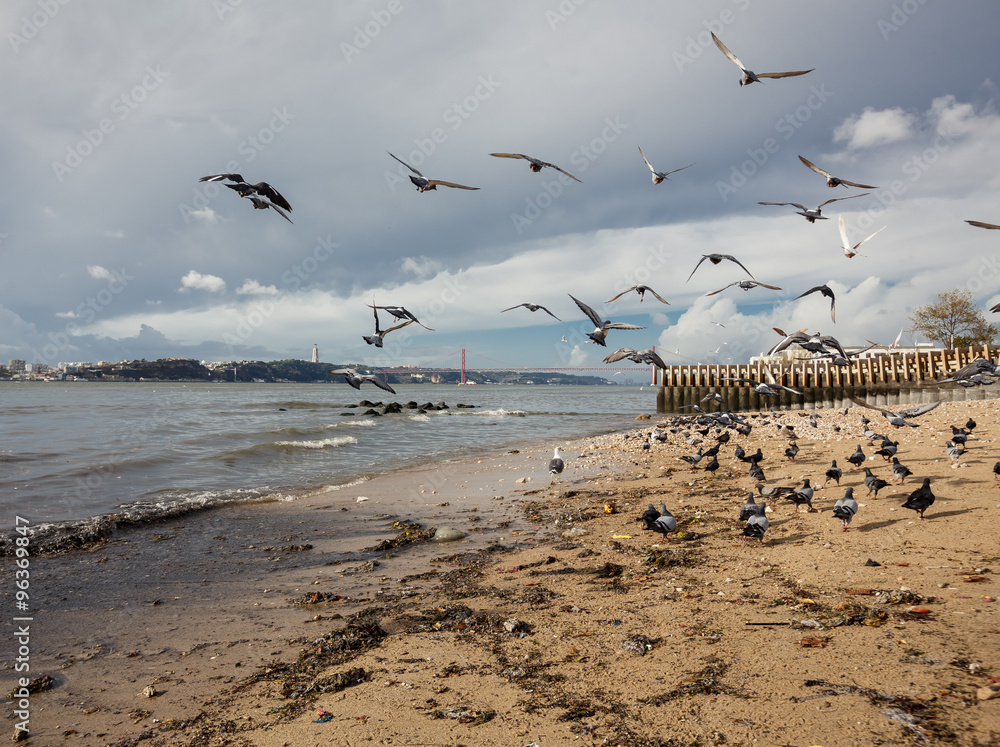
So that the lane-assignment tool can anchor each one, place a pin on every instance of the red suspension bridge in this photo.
(459, 356)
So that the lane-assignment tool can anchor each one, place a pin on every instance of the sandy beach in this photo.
(556, 620)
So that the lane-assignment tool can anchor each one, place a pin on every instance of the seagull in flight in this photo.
(398, 312)
(749, 76)
(259, 203)
(379, 336)
(355, 379)
(660, 176)
(813, 214)
(647, 356)
(715, 259)
(980, 224)
(745, 285)
(899, 419)
(425, 185)
(825, 290)
(534, 307)
(534, 164)
(832, 181)
(851, 249)
(765, 389)
(641, 290)
(600, 333)
(245, 189)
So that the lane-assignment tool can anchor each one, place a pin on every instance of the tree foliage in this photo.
(954, 321)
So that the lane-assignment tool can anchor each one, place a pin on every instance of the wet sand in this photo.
(517, 634)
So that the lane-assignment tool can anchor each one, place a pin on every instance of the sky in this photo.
(112, 249)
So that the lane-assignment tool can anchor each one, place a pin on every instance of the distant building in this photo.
(16, 365)
(315, 353)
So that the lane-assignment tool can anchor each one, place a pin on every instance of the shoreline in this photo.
(519, 633)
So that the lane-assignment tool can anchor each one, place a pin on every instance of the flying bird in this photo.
(534, 307)
(647, 356)
(659, 176)
(744, 284)
(641, 290)
(715, 259)
(749, 76)
(814, 214)
(425, 185)
(825, 290)
(377, 338)
(352, 377)
(534, 164)
(259, 203)
(851, 249)
(921, 499)
(832, 181)
(901, 418)
(845, 508)
(245, 189)
(398, 312)
(980, 224)
(601, 328)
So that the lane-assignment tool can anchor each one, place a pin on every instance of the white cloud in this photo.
(578, 356)
(114, 234)
(873, 127)
(99, 273)
(421, 267)
(67, 314)
(206, 214)
(195, 280)
(254, 288)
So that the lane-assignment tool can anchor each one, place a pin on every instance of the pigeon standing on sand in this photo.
(858, 457)
(833, 473)
(666, 522)
(757, 524)
(750, 508)
(899, 470)
(846, 507)
(921, 499)
(803, 495)
(873, 483)
(649, 516)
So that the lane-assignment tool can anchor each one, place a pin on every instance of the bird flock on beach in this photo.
(263, 196)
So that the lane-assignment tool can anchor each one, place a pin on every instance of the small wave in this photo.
(322, 443)
(499, 413)
(342, 486)
(357, 423)
(420, 418)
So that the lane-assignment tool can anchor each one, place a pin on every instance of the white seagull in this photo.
(749, 76)
(425, 185)
(601, 326)
(813, 214)
(660, 176)
(851, 249)
(352, 377)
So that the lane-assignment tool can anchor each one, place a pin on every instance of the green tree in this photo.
(955, 321)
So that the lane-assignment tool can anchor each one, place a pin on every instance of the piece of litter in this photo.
(361, 499)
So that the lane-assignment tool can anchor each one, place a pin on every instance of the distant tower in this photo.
(315, 353)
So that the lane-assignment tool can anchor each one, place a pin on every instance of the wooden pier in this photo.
(886, 380)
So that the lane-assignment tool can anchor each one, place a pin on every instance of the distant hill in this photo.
(297, 371)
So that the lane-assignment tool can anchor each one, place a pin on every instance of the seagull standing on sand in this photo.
(832, 181)
(845, 508)
(355, 379)
(600, 333)
(749, 76)
(660, 176)
(425, 185)
(556, 464)
(534, 164)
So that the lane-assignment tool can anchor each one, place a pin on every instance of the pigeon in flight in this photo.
(660, 176)
(601, 327)
(845, 508)
(245, 189)
(641, 290)
(745, 285)
(899, 419)
(749, 76)
(534, 164)
(851, 249)
(921, 499)
(814, 214)
(355, 379)
(832, 181)
(715, 259)
(533, 307)
(825, 290)
(425, 185)
(398, 312)
(259, 203)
